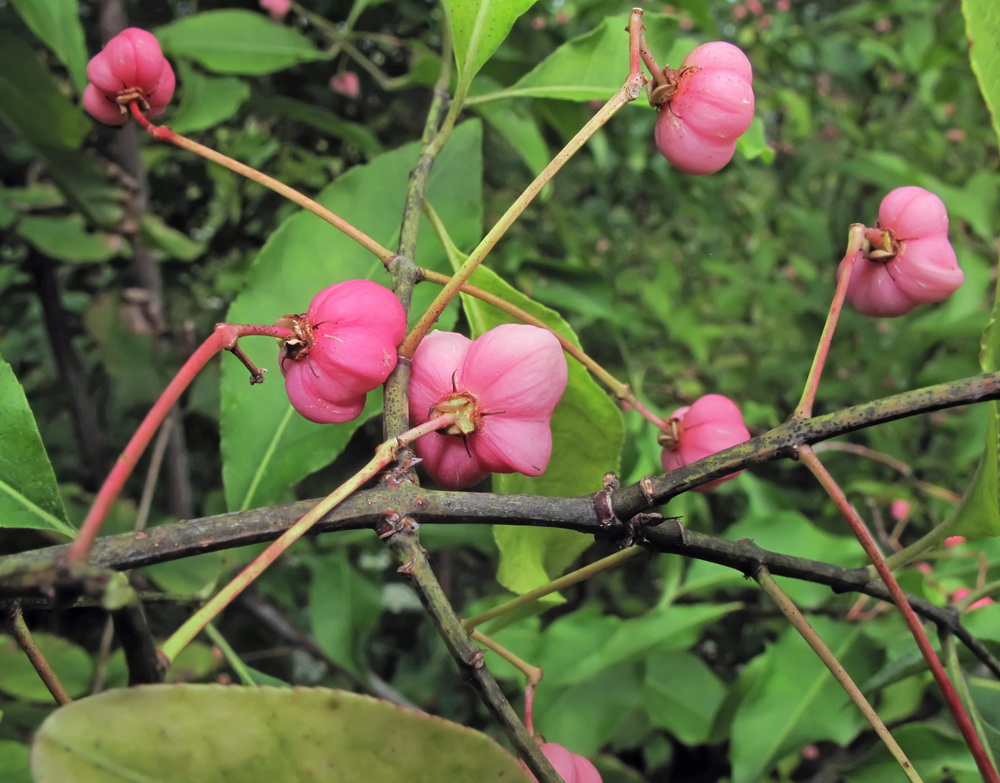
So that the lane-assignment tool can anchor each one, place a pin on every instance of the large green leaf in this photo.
(682, 695)
(14, 762)
(797, 701)
(587, 438)
(235, 41)
(19, 678)
(57, 24)
(29, 495)
(206, 100)
(31, 102)
(939, 755)
(182, 733)
(64, 237)
(266, 446)
(594, 65)
(979, 512)
(478, 27)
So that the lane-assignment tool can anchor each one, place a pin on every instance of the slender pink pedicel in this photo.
(508, 381)
(709, 425)
(572, 767)
(345, 346)
(910, 262)
(131, 67)
(708, 105)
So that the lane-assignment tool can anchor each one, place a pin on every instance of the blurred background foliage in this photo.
(664, 670)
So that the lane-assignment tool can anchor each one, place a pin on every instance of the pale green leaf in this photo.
(478, 27)
(206, 100)
(183, 733)
(57, 24)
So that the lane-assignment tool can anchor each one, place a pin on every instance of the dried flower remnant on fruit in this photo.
(342, 347)
(503, 386)
(278, 9)
(572, 767)
(707, 426)
(130, 68)
(704, 107)
(909, 260)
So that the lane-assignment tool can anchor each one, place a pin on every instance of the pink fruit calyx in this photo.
(908, 260)
(707, 426)
(130, 69)
(502, 388)
(704, 107)
(341, 348)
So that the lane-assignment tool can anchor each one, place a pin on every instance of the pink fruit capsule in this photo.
(706, 105)
(572, 767)
(131, 67)
(709, 425)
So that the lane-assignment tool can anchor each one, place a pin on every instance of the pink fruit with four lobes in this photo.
(910, 262)
(706, 105)
(504, 385)
(131, 67)
(344, 346)
(709, 425)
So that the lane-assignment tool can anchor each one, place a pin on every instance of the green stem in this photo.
(230, 655)
(950, 654)
(788, 608)
(532, 674)
(22, 635)
(628, 92)
(605, 564)
(384, 454)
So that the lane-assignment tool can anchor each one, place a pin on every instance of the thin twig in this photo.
(22, 635)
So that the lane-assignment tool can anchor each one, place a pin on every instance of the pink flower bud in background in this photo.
(572, 768)
(961, 592)
(131, 67)
(911, 262)
(704, 108)
(953, 541)
(278, 9)
(899, 509)
(509, 381)
(344, 346)
(346, 83)
(709, 425)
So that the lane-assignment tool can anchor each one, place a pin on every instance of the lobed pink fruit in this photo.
(709, 425)
(961, 592)
(512, 377)
(131, 67)
(572, 767)
(710, 104)
(911, 262)
(346, 83)
(345, 347)
(278, 9)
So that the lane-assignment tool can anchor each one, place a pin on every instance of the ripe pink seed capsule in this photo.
(278, 9)
(131, 67)
(706, 105)
(344, 346)
(572, 767)
(709, 425)
(910, 262)
(507, 383)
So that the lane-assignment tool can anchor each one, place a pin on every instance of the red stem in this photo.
(223, 338)
(811, 461)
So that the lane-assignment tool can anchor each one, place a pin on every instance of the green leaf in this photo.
(169, 241)
(797, 701)
(478, 27)
(324, 120)
(57, 24)
(345, 607)
(29, 495)
(982, 26)
(238, 42)
(14, 762)
(594, 65)
(587, 438)
(66, 238)
(31, 102)
(180, 733)
(682, 695)
(206, 100)
(86, 184)
(19, 678)
(267, 448)
(519, 128)
(939, 755)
